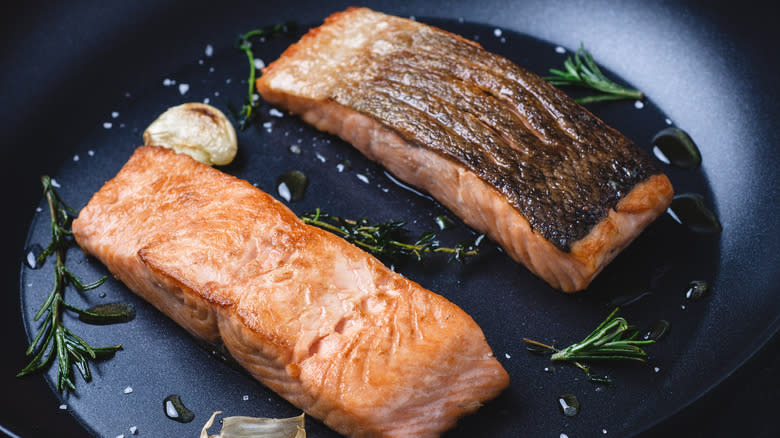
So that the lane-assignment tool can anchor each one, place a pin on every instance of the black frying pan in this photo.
(708, 68)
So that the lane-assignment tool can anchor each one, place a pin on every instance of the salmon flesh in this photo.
(510, 154)
(319, 321)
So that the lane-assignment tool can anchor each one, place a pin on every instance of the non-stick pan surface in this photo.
(69, 70)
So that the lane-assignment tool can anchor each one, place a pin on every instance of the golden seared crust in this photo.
(314, 318)
(510, 154)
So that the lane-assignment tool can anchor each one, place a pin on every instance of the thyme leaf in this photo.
(583, 72)
(385, 239)
(610, 340)
(53, 338)
(244, 43)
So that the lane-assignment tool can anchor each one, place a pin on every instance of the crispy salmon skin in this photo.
(510, 154)
(314, 318)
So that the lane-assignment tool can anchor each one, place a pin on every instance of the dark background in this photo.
(58, 59)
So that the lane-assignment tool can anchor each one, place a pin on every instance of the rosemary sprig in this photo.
(382, 239)
(53, 338)
(582, 71)
(608, 341)
(244, 43)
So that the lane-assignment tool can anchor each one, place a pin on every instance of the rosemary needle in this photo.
(53, 338)
(582, 71)
(608, 341)
(383, 239)
(246, 114)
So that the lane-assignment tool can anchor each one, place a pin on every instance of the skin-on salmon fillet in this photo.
(510, 154)
(314, 318)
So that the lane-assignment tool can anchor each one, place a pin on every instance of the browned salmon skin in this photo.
(314, 318)
(510, 154)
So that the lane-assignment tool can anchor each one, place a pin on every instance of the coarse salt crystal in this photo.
(206, 101)
(168, 82)
(209, 51)
(320, 157)
(275, 112)
(497, 32)
(563, 435)
(259, 63)
(507, 355)
(560, 49)
(133, 430)
(75, 158)
(114, 114)
(108, 125)
(63, 406)
(362, 177)
(184, 88)
(639, 104)
(128, 390)
(55, 183)
(245, 398)
(91, 153)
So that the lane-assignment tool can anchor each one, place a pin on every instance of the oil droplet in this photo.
(569, 404)
(697, 289)
(657, 330)
(443, 222)
(175, 409)
(31, 256)
(291, 186)
(676, 146)
(109, 313)
(689, 209)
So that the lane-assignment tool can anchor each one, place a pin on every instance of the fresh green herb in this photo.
(383, 239)
(607, 342)
(582, 71)
(53, 338)
(244, 43)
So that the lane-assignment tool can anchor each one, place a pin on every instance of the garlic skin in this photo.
(196, 129)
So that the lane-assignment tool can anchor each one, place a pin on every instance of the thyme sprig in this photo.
(583, 72)
(609, 341)
(53, 338)
(383, 239)
(244, 43)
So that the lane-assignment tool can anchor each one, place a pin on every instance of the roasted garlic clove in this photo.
(196, 129)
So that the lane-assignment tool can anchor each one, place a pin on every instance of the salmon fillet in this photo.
(510, 154)
(322, 323)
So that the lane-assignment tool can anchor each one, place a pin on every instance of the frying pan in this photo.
(708, 67)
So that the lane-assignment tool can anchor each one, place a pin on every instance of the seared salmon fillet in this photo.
(513, 156)
(316, 319)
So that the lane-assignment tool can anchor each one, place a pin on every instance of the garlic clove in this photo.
(196, 129)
